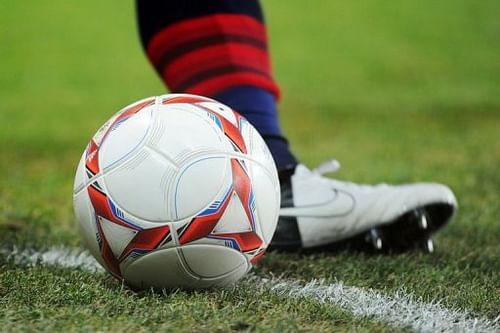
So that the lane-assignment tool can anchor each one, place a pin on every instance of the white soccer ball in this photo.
(177, 191)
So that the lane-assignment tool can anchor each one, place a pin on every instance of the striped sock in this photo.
(216, 49)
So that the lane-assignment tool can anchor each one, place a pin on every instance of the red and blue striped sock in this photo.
(217, 49)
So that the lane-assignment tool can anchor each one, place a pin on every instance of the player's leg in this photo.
(219, 49)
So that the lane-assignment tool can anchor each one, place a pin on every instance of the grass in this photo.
(80, 302)
(397, 92)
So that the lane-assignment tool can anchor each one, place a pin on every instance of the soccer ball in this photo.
(177, 191)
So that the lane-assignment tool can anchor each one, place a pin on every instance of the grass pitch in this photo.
(397, 92)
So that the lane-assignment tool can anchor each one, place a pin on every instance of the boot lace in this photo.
(329, 166)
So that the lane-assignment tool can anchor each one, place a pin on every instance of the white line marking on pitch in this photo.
(59, 256)
(399, 309)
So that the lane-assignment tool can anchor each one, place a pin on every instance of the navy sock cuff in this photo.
(283, 157)
(258, 106)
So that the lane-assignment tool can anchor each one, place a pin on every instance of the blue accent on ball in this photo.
(230, 242)
(118, 213)
(215, 206)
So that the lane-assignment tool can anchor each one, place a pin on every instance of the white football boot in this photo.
(317, 211)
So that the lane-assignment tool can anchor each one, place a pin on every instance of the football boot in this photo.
(317, 211)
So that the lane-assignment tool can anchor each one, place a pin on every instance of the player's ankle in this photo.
(279, 148)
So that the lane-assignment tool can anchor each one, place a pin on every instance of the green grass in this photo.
(79, 301)
(397, 91)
